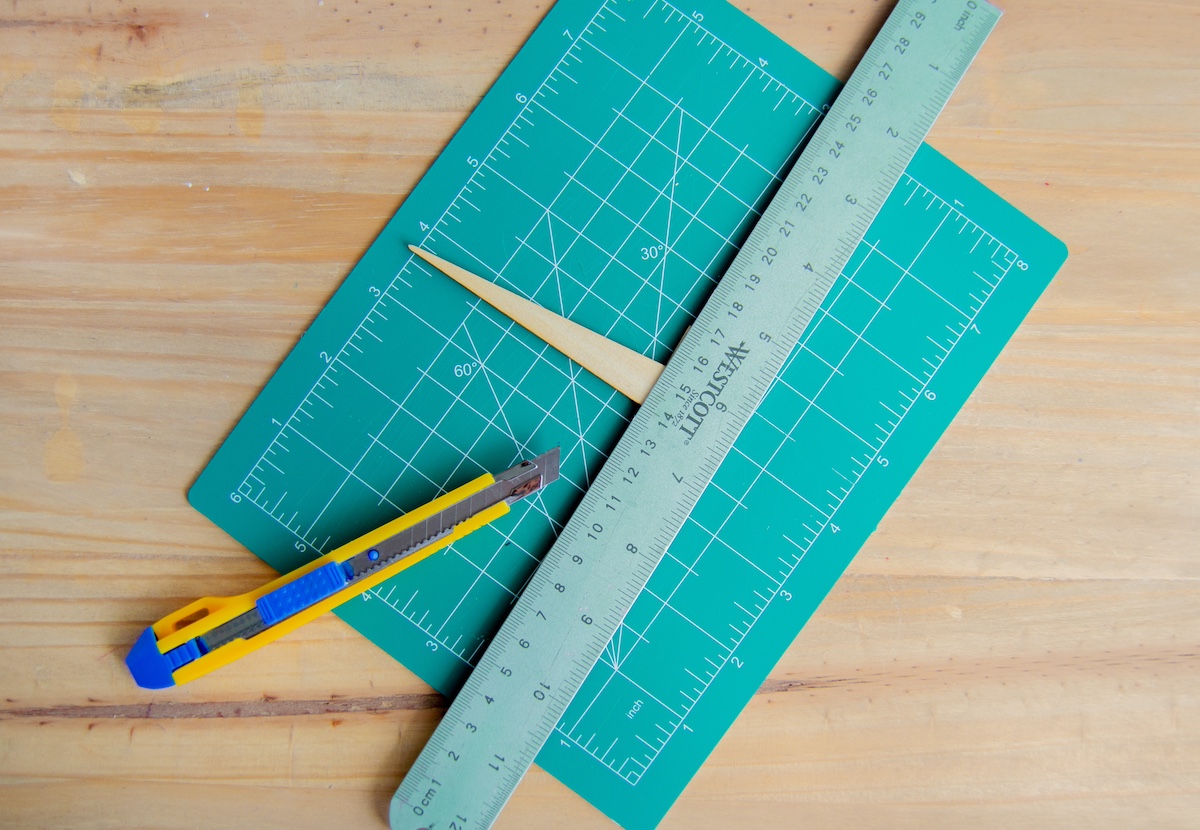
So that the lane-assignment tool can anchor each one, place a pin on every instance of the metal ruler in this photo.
(708, 391)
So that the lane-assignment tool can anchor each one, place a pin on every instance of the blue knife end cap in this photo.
(150, 667)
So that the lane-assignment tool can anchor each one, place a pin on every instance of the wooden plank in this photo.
(1015, 646)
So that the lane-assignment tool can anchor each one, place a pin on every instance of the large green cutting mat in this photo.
(610, 175)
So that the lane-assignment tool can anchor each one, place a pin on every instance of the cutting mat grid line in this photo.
(610, 175)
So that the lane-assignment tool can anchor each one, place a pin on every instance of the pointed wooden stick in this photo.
(629, 372)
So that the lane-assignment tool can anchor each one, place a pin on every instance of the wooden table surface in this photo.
(182, 185)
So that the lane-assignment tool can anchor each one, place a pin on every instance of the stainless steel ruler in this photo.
(708, 391)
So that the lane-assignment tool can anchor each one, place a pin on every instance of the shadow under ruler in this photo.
(610, 175)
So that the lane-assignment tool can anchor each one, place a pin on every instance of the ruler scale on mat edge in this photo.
(747, 329)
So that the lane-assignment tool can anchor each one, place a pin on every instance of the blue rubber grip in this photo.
(184, 654)
(311, 588)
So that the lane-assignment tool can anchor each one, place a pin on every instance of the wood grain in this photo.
(183, 185)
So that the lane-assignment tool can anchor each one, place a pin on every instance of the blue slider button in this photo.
(299, 594)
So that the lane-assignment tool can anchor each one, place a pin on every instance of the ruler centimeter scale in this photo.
(708, 391)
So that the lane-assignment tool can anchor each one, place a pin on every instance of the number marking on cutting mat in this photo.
(648, 486)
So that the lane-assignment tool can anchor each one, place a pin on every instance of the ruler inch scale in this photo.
(668, 455)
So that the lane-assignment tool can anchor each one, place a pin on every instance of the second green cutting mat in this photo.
(609, 175)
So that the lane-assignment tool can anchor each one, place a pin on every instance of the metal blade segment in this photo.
(708, 391)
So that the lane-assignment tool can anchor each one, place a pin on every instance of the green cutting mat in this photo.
(610, 175)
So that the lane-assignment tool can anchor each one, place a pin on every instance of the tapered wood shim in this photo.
(629, 372)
